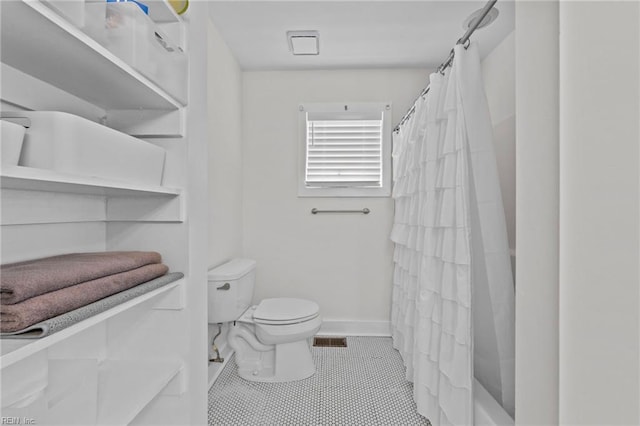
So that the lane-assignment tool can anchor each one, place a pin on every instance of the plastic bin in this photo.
(71, 10)
(71, 144)
(126, 31)
(95, 16)
(171, 73)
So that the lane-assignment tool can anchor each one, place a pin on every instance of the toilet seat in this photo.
(284, 311)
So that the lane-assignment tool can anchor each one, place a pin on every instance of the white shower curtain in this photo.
(452, 267)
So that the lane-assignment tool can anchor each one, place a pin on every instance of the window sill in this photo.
(305, 192)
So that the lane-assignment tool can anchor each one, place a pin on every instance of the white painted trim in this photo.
(355, 328)
(537, 212)
(216, 368)
(365, 108)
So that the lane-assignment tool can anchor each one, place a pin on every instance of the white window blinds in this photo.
(344, 153)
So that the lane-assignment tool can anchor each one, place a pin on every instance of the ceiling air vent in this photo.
(304, 42)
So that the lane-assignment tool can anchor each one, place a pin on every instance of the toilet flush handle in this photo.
(226, 286)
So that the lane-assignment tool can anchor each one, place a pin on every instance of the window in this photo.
(345, 150)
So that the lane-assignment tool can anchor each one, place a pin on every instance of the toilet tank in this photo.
(230, 289)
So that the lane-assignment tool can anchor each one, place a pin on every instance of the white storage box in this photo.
(126, 31)
(11, 137)
(71, 10)
(71, 144)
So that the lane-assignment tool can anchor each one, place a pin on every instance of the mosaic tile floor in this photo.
(362, 384)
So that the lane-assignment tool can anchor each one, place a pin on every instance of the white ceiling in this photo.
(353, 34)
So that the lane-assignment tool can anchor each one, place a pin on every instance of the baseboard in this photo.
(328, 328)
(215, 368)
(355, 328)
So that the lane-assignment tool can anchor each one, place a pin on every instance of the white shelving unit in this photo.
(30, 179)
(82, 67)
(13, 351)
(116, 378)
(145, 358)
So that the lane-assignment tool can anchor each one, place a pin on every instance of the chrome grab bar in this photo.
(363, 211)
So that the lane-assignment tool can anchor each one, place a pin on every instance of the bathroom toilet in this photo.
(270, 339)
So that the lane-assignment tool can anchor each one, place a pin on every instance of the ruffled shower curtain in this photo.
(452, 266)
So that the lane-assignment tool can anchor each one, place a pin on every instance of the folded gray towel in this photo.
(52, 325)
(21, 315)
(22, 280)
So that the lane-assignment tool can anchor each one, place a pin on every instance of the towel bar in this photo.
(363, 211)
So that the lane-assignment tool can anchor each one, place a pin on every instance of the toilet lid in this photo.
(285, 310)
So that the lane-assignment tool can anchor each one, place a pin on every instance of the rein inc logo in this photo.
(17, 421)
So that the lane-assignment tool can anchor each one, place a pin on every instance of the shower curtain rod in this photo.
(443, 66)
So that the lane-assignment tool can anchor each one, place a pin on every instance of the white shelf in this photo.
(32, 179)
(33, 35)
(14, 350)
(71, 392)
(126, 387)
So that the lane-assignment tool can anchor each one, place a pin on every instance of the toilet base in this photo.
(293, 361)
(283, 362)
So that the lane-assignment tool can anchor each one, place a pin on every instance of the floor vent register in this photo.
(330, 342)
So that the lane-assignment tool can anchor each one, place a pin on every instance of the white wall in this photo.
(224, 95)
(498, 71)
(225, 150)
(599, 212)
(537, 215)
(578, 183)
(343, 262)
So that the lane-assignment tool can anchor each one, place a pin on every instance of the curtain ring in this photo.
(467, 44)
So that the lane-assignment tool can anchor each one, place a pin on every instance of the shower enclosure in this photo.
(453, 294)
